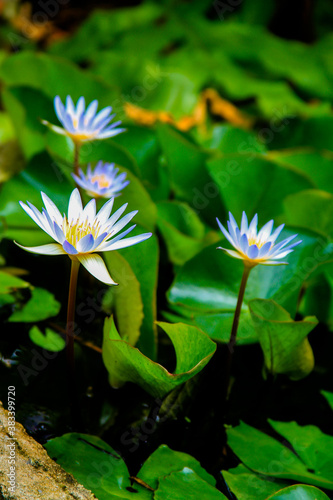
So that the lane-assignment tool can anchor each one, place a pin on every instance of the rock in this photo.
(34, 475)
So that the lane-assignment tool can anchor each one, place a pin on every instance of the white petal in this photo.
(34, 214)
(232, 253)
(276, 233)
(105, 211)
(89, 211)
(85, 244)
(74, 206)
(127, 242)
(105, 246)
(265, 231)
(232, 221)
(122, 223)
(95, 266)
(49, 249)
(52, 209)
(225, 232)
(113, 219)
(253, 226)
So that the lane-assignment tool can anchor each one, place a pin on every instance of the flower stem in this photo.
(70, 331)
(232, 340)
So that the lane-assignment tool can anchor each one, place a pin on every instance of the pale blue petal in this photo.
(253, 252)
(127, 242)
(105, 246)
(233, 221)
(105, 211)
(225, 232)
(122, 223)
(244, 244)
(85, 244)
(276, 233)
(265, 249)
(69, 248)
(244, 224)
(59, 233)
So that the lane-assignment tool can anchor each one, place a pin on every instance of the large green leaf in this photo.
(10, 283)
(186, 484)
(143, 259)
(41, 71)
(42, 305)
(299, 491)
(205, 290)
(93, 463)
(284, 342)
(164, 461)
(247, 485)
(124, 300)
(125, 363)
(253, 183)
(309, 209)
(317, 165)
(101, 469)
(311, 465)
(189, 177)
(183, 232)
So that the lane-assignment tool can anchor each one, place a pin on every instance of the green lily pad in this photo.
(205, 289)
(299, 491)
(183, 232)
(42, 305)
(125, 363)
(50, 340)
(247, 485)
(186, 484)
(284, 341)
(329, 397)
(237, 174)
(10, 283)
(164, 461)
(311, 465)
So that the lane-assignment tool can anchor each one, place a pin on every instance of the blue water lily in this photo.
(256, 247)
(103, 181)
(84, 124)
(83, 232)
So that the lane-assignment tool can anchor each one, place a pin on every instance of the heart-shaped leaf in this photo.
(283, 341)
(125, 363)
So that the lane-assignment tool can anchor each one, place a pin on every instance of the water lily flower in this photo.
(103, 181)
(83, 232)
(81, 124)
(256, 247)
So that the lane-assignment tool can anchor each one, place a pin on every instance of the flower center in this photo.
(101, 180)
(253, 240)
(74, 231)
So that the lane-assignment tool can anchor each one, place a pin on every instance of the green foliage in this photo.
(167, 473)
(50, 340)
(126, 364)
(309, 463)
(32, 310)
(205, 290)
(284, 341)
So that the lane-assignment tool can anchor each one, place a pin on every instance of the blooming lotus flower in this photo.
(103, 181)
(256, 247)
(83, 124)
(83, 232)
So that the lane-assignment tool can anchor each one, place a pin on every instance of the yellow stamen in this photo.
(101, 180)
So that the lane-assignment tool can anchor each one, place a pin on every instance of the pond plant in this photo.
(190, 374)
